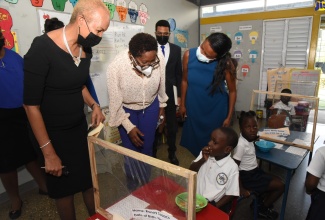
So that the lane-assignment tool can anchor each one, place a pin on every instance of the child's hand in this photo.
(245, 193)
(206, 152)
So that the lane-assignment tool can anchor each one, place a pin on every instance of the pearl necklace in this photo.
(76, 60)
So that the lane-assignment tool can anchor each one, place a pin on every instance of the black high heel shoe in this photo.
(14, 214)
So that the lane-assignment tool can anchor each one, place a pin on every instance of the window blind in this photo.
(285, 43)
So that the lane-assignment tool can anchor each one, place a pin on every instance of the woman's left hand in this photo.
(97, 116)
(226, 122)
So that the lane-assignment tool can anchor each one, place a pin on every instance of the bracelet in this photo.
(92, 106)
(44, 145)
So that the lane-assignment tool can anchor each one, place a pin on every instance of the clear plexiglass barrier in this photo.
(129, 185)
(286, 118)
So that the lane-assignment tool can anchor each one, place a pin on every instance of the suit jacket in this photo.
(173, 72)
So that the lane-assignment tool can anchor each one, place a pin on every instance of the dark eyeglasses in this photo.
(154, 64)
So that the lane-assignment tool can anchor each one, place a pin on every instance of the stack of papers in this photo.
(124, 207)
(296, 151)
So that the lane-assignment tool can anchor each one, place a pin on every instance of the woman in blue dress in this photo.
(206, 104)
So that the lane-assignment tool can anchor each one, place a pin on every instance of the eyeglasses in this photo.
(143, 67)
(162, 33)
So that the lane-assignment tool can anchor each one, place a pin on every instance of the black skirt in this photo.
(15, 145)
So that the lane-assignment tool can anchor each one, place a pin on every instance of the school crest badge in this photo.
(222, 178)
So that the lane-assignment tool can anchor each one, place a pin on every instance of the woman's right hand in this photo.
(135, 136)
(53, 165)
(182, 111)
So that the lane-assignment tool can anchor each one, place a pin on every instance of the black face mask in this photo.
(162, 40)
(90, 41)
(2, 43)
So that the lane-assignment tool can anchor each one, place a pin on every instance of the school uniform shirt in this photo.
(217, 178)
(290, 108)
(317, 167)
(127, 89)
(245, 153)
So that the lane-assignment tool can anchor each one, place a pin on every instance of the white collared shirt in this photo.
(217, 178)
(290, 108)
(317, 167)
(245, 153)
(167, 51)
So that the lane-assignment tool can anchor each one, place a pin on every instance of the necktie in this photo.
(163, 49)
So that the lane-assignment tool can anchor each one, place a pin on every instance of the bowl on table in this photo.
(264, 146)
(181, 202)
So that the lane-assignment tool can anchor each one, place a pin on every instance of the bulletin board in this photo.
(291, 74)
(114, 40)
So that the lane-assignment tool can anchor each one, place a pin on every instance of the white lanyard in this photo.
(76, 60)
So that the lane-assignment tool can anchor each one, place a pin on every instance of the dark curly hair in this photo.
(52, 24)
(232, 136)
(221, 44)
(162, 23)
(244, 115)
(141, 43)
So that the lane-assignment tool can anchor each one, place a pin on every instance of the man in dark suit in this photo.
(173, 64)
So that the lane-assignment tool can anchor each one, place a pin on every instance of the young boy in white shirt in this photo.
(218, 176)
(315, 185)
(284, 103)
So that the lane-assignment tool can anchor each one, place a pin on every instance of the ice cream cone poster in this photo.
(253, 36)
(5, 28)
(253, 55)
(245, 69)
(37, 3)
(59, 5)
(73, 2)
(111, 7)
(238, 55)
(143, 13)
(133, 11)
(121, 10)
(238, 37)
(12, 1)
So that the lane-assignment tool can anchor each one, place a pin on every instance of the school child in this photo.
(251, 177)
(285, 103)
(315, 185)
(218, 174)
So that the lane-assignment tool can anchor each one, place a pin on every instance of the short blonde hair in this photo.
(86, 7)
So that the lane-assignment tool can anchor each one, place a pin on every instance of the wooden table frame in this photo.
(315, 100)
(188, 174)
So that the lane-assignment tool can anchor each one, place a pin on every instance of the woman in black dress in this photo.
(56, 69)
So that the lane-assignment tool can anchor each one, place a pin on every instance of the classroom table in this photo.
(289, 161)
(160, 193)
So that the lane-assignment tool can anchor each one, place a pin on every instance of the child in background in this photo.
(315, 185)
(284, 103)
(218, 174)
(252, 178)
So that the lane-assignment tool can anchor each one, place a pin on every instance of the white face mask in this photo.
(202, 57)
(147, 72)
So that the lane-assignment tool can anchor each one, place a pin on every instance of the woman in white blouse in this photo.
(136, 91)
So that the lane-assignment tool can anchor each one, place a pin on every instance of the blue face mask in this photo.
(201, 57)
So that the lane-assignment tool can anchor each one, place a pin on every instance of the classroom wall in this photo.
(25, 24)
(246, 86)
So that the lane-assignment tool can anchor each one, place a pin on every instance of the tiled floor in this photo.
(40, 207)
